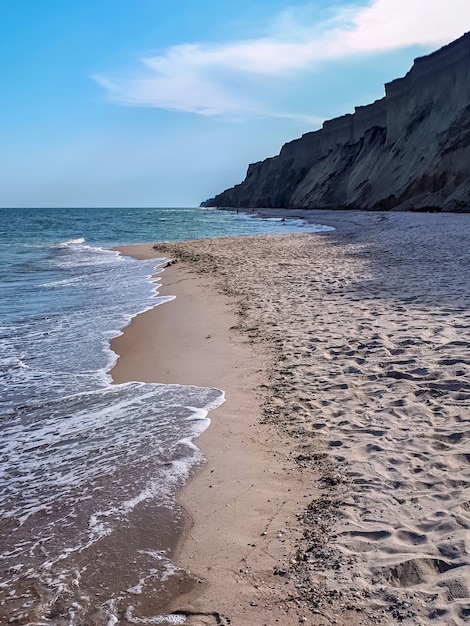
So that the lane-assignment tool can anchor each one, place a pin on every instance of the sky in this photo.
(132, 103)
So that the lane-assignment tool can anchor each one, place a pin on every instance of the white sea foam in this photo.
(81, 466)
(159, 619)
(75, 440)
(66, 282)
(137, 589)
(92, 295)
(70, 242)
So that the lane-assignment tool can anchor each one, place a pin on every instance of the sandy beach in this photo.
(336, 487)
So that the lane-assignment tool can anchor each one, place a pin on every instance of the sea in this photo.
(89, 470)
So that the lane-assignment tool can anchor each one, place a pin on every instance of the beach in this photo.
(336, 481)
(91, 469)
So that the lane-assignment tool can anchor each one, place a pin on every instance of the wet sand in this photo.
(337, 483)
(249, 489)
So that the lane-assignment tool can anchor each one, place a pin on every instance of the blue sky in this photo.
(158, 103)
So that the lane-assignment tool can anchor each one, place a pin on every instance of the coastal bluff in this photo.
(409, 151)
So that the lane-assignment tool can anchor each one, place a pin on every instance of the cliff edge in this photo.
(408, 151)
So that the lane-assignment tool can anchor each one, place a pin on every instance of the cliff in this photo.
(408, 151)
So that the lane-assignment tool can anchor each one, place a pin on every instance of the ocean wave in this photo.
(69, 242)
(76, 468)
(65, 282)
(70, 443)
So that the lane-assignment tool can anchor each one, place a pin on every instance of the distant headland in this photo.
(409, 151)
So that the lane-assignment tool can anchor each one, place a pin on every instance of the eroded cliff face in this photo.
(408, 151)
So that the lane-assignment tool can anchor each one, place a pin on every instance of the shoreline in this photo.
(240, 498)
(359, 338)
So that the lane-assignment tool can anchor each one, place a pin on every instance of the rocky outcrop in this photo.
(408, 151)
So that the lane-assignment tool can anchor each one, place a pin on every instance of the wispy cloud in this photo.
(224, 78)
(389, 24)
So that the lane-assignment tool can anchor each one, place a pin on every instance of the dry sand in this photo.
(345, 360)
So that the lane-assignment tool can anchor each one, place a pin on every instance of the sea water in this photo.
(89, 470)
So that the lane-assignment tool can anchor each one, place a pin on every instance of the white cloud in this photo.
(388, 24)
(224, 79)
